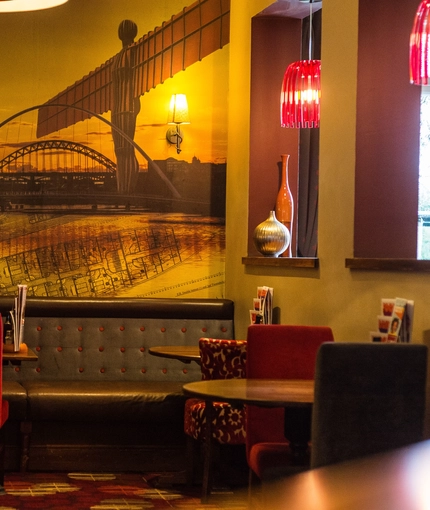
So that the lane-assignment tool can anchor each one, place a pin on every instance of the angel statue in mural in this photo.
(141, 65)
(125, 107)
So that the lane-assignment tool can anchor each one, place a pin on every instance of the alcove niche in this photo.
(276, 42)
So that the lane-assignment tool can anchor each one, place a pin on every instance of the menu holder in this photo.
(395, 321)
(262, 311)
(17, 316)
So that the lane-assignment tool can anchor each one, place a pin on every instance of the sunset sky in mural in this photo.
(45, 52)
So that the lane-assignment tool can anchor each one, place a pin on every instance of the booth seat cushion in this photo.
(116, 401)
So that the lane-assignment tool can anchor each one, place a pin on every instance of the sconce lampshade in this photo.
(28, 5)
(419, 45)
(301, 95)
(178, 110)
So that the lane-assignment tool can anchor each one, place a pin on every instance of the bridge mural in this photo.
(90, 205)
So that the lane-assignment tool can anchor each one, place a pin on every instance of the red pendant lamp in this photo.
(419, 46)
(301, 90)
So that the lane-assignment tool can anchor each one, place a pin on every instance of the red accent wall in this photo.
(387, 142)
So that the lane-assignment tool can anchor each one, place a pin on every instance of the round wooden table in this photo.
(295, 396)
(260, 392)
(397, 480)
(184, 353)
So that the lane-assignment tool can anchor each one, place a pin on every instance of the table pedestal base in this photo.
(297, 429)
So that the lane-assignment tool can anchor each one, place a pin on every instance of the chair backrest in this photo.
(279, 352)
(369, 398)
(222, 359)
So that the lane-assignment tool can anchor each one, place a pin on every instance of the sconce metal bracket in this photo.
(175, 136)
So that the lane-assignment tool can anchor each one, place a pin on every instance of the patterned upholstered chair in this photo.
(220, 359)
(277, 352)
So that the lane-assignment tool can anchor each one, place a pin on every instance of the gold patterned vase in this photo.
(271, 237)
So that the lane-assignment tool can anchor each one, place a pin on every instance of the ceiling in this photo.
(291, 8)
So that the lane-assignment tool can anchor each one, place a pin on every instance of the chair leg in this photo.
(252, 482)
(192, 447)
(26, 427)
(207, 468)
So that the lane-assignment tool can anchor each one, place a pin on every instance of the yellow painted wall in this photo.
(346, 300)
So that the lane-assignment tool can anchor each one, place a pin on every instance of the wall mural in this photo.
(94, 200)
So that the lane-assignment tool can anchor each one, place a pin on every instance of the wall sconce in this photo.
(28, 5)
(419, 46)
(178, 114)
(301, 89)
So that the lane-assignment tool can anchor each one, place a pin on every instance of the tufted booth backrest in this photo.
(109, 339)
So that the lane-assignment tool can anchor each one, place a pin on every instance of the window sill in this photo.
(305, 262)
(370, 264)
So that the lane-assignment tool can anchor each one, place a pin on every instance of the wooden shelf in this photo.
(371, 264)
(304, 262)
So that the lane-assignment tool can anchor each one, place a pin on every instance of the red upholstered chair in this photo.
(277, 352)
(220, 359)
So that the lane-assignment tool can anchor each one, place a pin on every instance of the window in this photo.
(423, 248)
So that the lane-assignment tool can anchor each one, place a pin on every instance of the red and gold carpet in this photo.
(103, 491)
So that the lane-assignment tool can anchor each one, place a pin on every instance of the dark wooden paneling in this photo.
(387, 157)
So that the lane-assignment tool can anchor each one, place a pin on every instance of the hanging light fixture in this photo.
(419, 46)
(301, 89)
(28, 5)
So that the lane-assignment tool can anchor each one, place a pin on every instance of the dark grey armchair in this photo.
(369, 398)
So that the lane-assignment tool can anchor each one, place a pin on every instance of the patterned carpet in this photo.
(92, 491)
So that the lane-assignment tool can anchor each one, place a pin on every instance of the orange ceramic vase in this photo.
(284, 202)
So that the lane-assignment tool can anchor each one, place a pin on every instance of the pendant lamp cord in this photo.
(310, 29)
